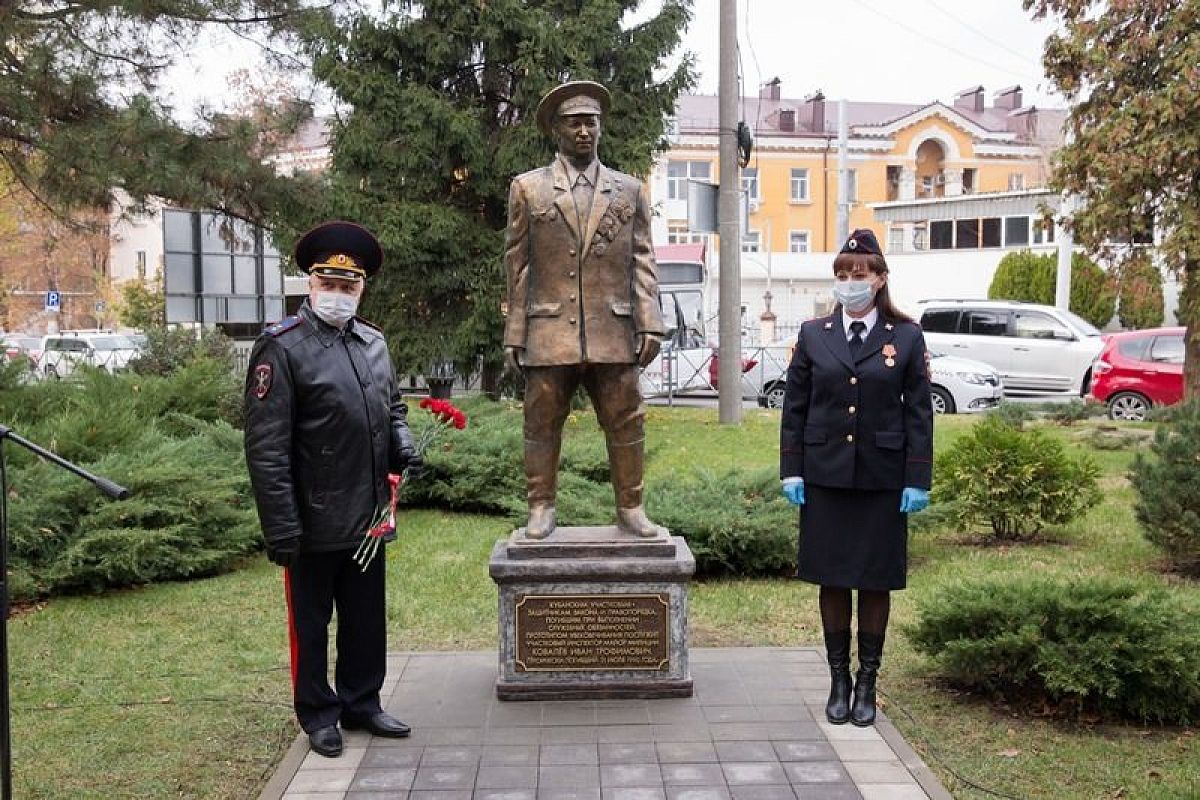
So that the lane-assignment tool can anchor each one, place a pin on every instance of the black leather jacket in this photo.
(324, 426)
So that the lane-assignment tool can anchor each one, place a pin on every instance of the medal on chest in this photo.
(889, 355)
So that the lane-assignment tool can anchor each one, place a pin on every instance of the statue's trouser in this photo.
(613, 389)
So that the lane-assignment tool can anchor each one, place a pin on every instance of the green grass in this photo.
(181, 690)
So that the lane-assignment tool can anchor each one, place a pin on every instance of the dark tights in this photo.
(873, 607)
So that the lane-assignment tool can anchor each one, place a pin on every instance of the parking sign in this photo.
(53, 301)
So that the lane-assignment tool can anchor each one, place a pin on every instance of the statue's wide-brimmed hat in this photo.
(339, 249)
(575, 97)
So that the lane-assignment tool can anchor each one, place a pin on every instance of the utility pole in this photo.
(1066, 244)
(843, 197)
(729, 226)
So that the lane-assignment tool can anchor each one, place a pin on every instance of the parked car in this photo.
(63, 352)
(962, 385)
(1138, 370)
(17, 346)
(1036, 349)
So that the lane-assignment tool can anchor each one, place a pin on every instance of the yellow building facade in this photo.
(894, 152)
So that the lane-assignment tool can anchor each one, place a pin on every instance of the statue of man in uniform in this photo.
(582, 303)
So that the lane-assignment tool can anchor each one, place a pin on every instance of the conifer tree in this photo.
(438, 103)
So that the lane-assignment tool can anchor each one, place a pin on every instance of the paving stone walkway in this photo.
(755, 730)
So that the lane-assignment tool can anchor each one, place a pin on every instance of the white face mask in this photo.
(855, 296)
(335, 308)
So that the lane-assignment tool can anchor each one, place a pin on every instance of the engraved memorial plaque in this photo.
(592, 632)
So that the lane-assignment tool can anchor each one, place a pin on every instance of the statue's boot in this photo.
(541, 477)
(627, 462)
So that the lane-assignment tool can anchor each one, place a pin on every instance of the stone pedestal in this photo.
(592, 613)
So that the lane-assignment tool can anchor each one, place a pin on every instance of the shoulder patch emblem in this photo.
(285, 324)
(262, 380)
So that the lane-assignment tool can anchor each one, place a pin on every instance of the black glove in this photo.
(284, 552)
(413, 463)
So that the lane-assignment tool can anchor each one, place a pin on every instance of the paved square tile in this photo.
(630, 775)
(732, 714)
(829, 791)
(569, 777)
(853, 750)
(746, 751)
(509, 755)
(692, 775)
(451, 754)
(390, 757)
(816, 772)
(697, 793)
(884, 791)
(805, 751)
(349, 759)
(633, 793)
(878, 772)
(752, 792)
(625, 752)
(440, 794)
(445, 777)
(761, 773)
(569, 754)
(505, 794)
(492, 776)
(322, 780)
(685, 752)
(587, 793)
(383, 780)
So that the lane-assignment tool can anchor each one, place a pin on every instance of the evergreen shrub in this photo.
(1096, 646)
(1012, 414)
(1029, 277)
(1167, 484)
(170, 349)
(1015, 481)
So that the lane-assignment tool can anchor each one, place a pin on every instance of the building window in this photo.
(941, 234)
(752, 242)
(1043, 231)
(991, 232)
(678, 233)
(750, 183)
(678, 174)
(1016, 181)
(896, 239)
(968, 181)
(799, 185)
(1016, 231)
(893, 181)
(798, 242)
(966, 234)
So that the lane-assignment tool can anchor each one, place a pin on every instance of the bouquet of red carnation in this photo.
(445, 415)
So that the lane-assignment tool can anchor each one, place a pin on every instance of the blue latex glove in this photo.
(794, 492)
(913, 500)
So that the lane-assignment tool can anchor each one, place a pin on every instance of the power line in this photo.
(1023, 57)
(943, 45)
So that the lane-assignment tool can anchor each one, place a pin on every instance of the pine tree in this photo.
(1168, 489)
(440, 100)
(80, 115)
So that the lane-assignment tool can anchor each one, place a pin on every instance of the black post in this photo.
(103, 484)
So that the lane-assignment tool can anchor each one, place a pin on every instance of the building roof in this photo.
(699, 114)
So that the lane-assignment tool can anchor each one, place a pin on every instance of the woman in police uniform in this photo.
(856, 443)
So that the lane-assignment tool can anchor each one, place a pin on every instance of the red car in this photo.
(1137, 370)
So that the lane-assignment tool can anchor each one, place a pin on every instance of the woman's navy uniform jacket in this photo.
(855, 422)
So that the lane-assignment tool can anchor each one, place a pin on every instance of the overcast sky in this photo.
(891, 50)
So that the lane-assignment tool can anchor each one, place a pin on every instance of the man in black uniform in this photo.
(324, 427)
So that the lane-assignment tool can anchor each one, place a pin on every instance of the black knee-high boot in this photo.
(870, 654)
(837, 650)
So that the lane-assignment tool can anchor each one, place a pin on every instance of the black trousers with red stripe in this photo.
(315, 585)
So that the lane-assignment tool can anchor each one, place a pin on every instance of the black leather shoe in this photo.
(326, 741)
(381, 724)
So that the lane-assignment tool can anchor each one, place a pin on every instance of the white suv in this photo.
(1036, 349)
(62, 352)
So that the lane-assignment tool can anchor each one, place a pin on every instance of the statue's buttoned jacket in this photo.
(579, 293)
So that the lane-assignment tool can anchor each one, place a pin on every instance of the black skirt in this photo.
(853, 539)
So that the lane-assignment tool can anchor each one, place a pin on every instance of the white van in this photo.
(1036, 349)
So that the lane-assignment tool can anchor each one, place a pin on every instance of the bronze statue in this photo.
(582, 303)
